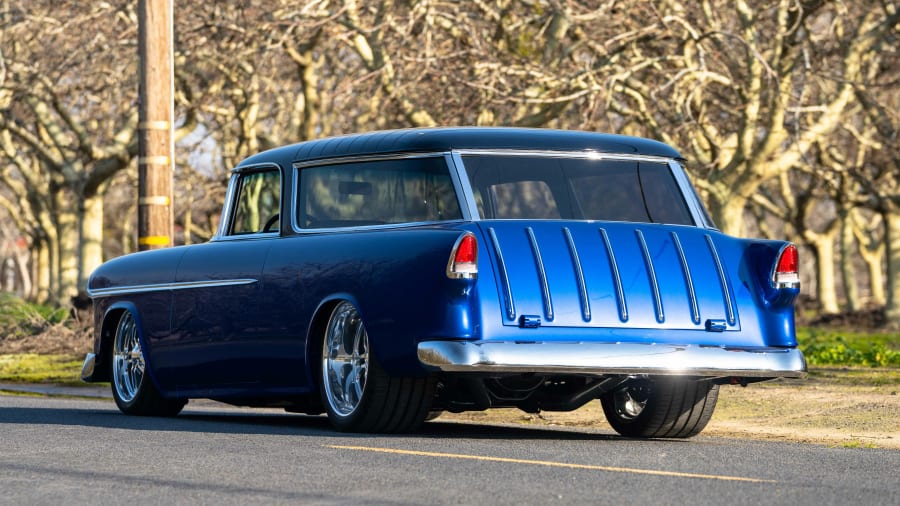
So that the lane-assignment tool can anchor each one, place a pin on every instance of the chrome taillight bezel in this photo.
(788, 279)
(462, 270)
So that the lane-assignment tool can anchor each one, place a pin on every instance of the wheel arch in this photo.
(107, 330)
(316, 331)
(108, 333)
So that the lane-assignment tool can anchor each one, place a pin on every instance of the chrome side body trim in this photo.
(617, 280)
(723, 280)
(542, 275)
(184, 285)
(504, 275)
(611, 358)
(651, 275)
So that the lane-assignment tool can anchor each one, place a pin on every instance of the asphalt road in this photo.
(75, 451)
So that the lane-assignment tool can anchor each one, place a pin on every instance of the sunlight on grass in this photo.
(34, 368)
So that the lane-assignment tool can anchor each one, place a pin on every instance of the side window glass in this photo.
(662, 195)
(258, 203)
(381, 192)
(524, 198)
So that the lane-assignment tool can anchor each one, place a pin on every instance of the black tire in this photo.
(660, 407)
(358, 395)
(132, 388)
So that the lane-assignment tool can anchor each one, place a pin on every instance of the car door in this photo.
(218, 341)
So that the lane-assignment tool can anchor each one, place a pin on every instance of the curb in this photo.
(54, 390)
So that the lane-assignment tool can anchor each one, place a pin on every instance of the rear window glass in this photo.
(375, 193)
(538, 188)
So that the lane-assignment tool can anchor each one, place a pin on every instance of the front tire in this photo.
(663, 407)
(132, 388)
(358, 395)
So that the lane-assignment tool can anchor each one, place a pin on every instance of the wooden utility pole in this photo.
(155, 143)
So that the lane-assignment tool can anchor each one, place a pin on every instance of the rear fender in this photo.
(775, 313)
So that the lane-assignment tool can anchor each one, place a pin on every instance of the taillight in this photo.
(787, 268)
(463, 262)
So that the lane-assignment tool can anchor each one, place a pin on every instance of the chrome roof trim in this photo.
(588, 155)
(367, 158)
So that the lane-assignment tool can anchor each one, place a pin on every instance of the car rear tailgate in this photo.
(610, 274)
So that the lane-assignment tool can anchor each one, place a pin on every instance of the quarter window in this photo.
(408, 190)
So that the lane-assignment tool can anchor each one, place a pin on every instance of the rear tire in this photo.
(132, 388)
(358, 395)
(663, 407)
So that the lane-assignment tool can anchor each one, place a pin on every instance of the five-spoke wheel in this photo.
(132, 388)
(358, 395)
(128, 360)
(345, 360)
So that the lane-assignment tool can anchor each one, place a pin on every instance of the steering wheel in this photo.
(272, 221)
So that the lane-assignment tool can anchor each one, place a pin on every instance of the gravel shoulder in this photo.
(846, 407)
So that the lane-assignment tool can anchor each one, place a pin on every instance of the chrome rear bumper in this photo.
(611, 358)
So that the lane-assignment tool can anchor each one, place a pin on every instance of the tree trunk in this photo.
(892, 240)
(21, 261)
(825, 280)
(876, 279)
(42, 271)
(91, 238)
(871, 249)
(67, 254)
(729, 214)
(848, 272)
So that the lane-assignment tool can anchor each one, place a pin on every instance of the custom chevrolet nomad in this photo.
(386, 277)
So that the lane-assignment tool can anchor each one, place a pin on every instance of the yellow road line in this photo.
(551, 464)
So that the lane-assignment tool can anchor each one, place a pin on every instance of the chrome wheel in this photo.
(345, 360)
(128, 359)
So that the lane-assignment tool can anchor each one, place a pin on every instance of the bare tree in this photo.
(66, 125)
(747, 89)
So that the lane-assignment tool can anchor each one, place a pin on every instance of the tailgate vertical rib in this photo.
(726, 291)
(688, 281)
(579, 276)
(651, 275)
(542, 274)
(617, 280)
(504, 281)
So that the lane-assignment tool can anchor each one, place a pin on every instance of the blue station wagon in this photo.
(386, 277)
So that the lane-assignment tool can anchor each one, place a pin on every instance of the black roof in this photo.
(447, 138)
